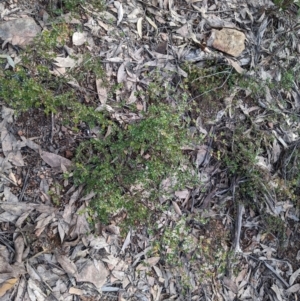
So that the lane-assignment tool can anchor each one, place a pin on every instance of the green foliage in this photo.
(213, 80)
(285, 4)
(126, 167)
(274, 225)
(60, 7)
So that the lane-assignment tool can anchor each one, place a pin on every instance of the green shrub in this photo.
(126, 168)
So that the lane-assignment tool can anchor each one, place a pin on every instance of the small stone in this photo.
(228, 40)
(68, 154)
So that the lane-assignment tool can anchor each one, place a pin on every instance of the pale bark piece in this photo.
(228, 40)
(55, 160)
(91, 273)
(21, 31)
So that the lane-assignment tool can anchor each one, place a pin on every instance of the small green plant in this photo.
(126, 167)
(274, 225)
(284, 4)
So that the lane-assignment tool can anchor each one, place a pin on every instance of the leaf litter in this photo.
(96, 262)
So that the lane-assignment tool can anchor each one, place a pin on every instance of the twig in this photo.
(24, 186)
(52, 127)
(210, 75)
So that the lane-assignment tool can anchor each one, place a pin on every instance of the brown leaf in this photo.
(294, 276)
(176, 208)
(294, 289)
(102, 92)
(7, 285)
(68, 266)
(54, 160)
(19, 248)
(230, 284)
(92, 273)
(139, 27)
(121, 76)
(75, 291)
(65, 62)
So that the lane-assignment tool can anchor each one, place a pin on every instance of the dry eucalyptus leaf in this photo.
(65, 62)
(19, 248)
(9, 197)
(7, 285)
(54, 160)
(7, 114)
(91, 273)
(121, 76)
(176, 208)
(7, 142)
(75, 291)
(294, 276)
(32, 273)
(139, 27)
(101, 90)
(98, 243)
(126, 242)
(119, 6)
(68, 266)
(294, 289)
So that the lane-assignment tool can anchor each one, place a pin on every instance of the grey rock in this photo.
(21, 31)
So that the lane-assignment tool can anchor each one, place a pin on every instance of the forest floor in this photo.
(150, 150)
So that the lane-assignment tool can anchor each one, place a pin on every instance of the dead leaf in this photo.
(236, 66)
(119, 6)
(7, 285)
(182, 194)
(98, 243)
(101, 90)
(90, 273)
(152, 23)
(7, 114)
(121, 76)
(68, 266)
(126, 242)
(294, 276)
(54, 160)
(65, 62)
(230, 284)
(75, 291)
(32, 273)
(7, 143)
(139, 27)
(176, 208)
(19, 248)
(294, 289)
